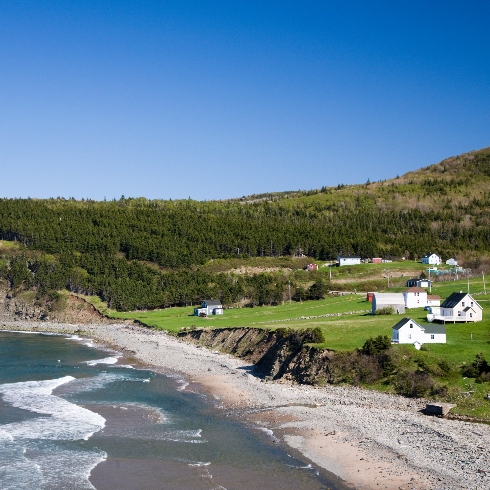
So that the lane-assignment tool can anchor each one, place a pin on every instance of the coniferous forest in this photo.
(140, 254)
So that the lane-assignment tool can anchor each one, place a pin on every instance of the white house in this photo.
(348, 260)
(415, 297)
(209, 307)
(459, 307)
(388, 300)
(432, 259)
(452, 261)
(408, 331)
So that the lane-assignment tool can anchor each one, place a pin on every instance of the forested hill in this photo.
(98, 247)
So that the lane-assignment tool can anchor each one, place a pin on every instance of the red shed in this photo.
(312, 267)
(376, 260)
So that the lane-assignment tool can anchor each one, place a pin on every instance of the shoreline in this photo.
(368, 439)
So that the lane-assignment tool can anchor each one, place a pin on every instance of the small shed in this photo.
(348, 260)
(209, 307)
(312, 267)
(376, 260)
(452, 261)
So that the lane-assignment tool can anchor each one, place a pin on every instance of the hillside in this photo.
(140, 254)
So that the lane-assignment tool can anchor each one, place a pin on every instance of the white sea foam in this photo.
(65, 421)
(32, 447)
(105, 360)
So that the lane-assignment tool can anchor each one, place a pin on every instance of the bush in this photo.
(377, 345)
(479, 368)
(386, 310)
(414, 384)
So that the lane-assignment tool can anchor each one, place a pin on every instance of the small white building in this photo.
(431, 259)
(459, 307)
(209, 307)
(419, 283)
(348, 260)
(433, 300)
(452, 261)
(388, 300)
(408, 331)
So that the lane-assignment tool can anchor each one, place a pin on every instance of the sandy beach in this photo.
(368, 439)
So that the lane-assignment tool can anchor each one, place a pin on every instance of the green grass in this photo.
(348, 328)
(10, 245)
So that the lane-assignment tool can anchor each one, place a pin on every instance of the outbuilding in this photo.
(209, 307)
(395, 301)
(348, 260)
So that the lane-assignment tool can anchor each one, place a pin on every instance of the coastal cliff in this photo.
(60, 308)
(276, 354)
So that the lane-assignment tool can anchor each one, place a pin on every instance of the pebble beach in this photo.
(366, 438)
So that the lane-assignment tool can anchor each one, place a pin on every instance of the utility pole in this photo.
(430, 282)
(484, 288)
(289, 288)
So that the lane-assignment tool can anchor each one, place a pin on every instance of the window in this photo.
(471, 315)
(462, 304)
(432, 336)
(459, 313)
(409, 336)
(471, 304)
(411, 325)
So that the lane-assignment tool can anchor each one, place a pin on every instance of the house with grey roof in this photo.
(431, 259)
(408, 331)
(388, 300)
(458, 307)
(209, 307)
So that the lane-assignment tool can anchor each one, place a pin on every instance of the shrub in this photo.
(478, 368)
(377, 345)
(386, 310)
(414, 384)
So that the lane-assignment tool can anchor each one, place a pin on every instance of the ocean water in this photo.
(73, 416)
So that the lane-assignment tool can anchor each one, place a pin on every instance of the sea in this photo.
(76, 416)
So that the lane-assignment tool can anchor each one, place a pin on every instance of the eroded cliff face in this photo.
(276, 354)
(65, 309)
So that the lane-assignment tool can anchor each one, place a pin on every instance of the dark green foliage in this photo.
(386, 310)
(378, 345)
(478, 368)
(136, 253)
(415, 384)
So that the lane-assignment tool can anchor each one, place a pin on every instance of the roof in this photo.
(415, 289)
(348, 257)
(212, 302)
(403, 322)
(453, 300)
(433, 296)
(389, 298)
(434, 328)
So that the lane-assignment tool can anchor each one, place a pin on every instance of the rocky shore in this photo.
(369, 439)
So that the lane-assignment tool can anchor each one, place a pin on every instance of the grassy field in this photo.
(346, 325)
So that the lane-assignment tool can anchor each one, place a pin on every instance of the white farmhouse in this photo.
(459, 307)
(388, 300)
(209, 307)
(348, 260)
(408, 331)
(432, 259)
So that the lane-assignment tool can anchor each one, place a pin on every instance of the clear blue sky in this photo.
(216, 99)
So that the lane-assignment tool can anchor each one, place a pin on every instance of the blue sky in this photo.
(218, 99)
